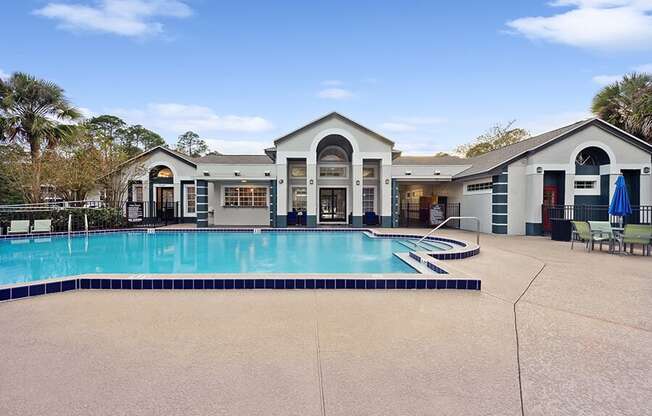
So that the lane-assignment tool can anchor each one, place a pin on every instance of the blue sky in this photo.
(429, 75)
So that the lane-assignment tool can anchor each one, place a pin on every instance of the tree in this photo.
(190, 144)
(107, 127)
(496, 137)
(11, 192)
(138, 138)
(627, 104)
(32, 114)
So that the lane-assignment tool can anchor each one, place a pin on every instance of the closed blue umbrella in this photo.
(620, 206)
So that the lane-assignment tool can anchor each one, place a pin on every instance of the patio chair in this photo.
(370, 218)
(582, 231)
(292, 218)
(604, 229)
(18, 227)
(638, 234)
(42, 226)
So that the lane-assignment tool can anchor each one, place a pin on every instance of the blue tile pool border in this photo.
(119, 283)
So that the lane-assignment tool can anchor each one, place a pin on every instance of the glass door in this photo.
(332, 205)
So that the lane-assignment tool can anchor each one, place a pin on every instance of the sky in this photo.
(429, 75)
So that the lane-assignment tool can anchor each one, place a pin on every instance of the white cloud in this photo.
(237, 147)
(178, 118)
(593, 24)
(644, 68)
(335, 94)
(4, 75)
(120, 17)
(332, 82)
(606, 79)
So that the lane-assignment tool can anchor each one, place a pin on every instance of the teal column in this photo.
(272, 203)
(202, 203)
(395, 204)
(499, 203)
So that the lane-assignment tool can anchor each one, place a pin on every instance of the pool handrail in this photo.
(477, 225)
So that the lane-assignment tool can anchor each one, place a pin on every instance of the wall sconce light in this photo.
(646, 170)
(207, 173)
(357, 182)
(267, 173)
(312, 181)
(280, 181)
(539, 169)
(408, 172)
(386, 181)
(236, 172)
(437, 172)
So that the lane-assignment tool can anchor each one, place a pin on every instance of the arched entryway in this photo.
(334, 156)
(161, 182)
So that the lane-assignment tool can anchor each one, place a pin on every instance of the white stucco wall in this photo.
(477, 204)
(234, 216)
(516, 197)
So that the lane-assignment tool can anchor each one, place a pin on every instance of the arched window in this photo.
(333, 154)
(160, 172)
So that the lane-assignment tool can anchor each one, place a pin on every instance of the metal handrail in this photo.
(477, 223)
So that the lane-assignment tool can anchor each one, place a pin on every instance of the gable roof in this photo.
(492, 160)
(339, 116)
(236, 159)
(430, 160)
(178, 155)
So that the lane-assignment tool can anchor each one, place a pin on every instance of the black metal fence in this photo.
(641, 214)
(413, 215)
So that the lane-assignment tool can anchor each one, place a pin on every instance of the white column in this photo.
(282, 190)
(311, 193)
(356, 194)
(569, 189)
(385, 197)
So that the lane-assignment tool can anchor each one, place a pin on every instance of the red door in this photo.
(550, 193)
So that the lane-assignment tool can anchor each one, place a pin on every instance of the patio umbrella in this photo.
(620, 206)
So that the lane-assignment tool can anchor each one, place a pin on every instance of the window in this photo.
(160, 172)
(333, 154)
(585, 184)
(137, 193)
(474, 187)
(368, 200)
(245, 197)
(190, 199)
(298, 171)
(299, 199)
(332, 171)
(368, 173)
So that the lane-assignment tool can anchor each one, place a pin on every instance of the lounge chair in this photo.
(18, 227)
(638, 234)
(582, 231)
(370, 218)
(603, 229)
(42, 226)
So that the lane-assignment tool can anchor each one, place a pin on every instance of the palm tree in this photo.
(627, 104)
(33, 114)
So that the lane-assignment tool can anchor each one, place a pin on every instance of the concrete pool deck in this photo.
(584, 324)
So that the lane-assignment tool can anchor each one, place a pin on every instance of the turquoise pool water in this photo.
(205, 252)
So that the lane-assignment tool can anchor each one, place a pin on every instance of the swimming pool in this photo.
(29, 259)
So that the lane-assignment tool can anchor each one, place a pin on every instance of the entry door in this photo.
(165, 202)
(332, 205)
(550, 196)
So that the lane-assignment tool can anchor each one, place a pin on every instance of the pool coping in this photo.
(427, 265)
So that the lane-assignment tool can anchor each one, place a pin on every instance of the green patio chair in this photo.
(638, 234)
(582, 231)
(604, 229)
(42, 226)
(18, 227)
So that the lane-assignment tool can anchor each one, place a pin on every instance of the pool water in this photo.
(193, 252)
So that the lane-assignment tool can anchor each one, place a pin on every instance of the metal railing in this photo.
(477, 230)
(641, 214)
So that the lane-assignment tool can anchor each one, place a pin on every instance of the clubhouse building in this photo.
(334, 171)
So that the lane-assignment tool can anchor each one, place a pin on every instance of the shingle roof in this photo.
(495, 158)
(236, 159)
(430, 160)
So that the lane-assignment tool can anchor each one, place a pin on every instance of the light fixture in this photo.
(539, 169)
(280, 181)
(357, 182)
(244, 181)
(236, 172)
(207, 173)
(267, 173)
(408, 172)
(387, 181)
(312, 181)
(437, 172)
(646, 170)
